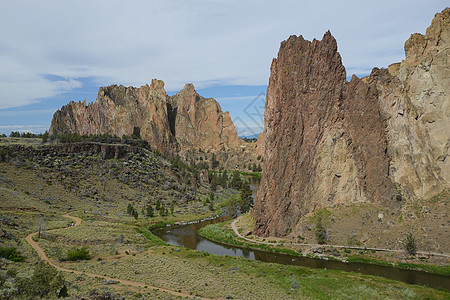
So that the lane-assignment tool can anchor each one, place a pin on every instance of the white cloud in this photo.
(67, 85)
(238, 98)
(28, 112)
(21, 85)
(38, 128)
(205, 42)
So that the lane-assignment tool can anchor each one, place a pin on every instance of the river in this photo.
(187, 236)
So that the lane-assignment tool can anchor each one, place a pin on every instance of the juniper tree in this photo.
(321, 234)
(236, 182)
(410, 244)
(246, 197)
(150, 213)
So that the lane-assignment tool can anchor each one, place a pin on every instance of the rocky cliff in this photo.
(200, 122)
(169, 124)
(383, 138)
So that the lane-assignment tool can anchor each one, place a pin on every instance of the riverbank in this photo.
(158, 268)
(121, 247)
(240, 236)
(309, 285)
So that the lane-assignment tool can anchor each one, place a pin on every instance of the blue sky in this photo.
(52, 52)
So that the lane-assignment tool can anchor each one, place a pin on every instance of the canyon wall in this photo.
(383, 138)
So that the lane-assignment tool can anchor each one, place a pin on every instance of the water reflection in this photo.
(187, 236)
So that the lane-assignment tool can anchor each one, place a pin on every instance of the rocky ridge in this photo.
(102, 172)
(170, 124)
(381, 139)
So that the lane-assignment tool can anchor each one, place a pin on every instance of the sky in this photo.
(53, 52)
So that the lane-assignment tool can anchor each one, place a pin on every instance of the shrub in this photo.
(321, 234)
(46, 281)
(410, 245)
(78, 253)
(11, 253)
(150, 213)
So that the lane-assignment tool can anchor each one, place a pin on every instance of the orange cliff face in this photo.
(328, 141)
(200, 122)
(169, 124)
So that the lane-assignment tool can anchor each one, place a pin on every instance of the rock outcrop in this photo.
(259, 145)
(383, 138)
(200, 122)
(169, 124)
(415, 100)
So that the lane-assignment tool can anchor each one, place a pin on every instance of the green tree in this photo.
(214, 161)
(15, 134)
(150, 213)
(172, 208)
(158, 204)
(410, 244)
(46, 281)
(321, 234)
(233, 207)
(246, 197)
(45, 137)
(213, 181)
(236, 182)
(163, 212)
(130, 209)
(135, 214)
(224, 179)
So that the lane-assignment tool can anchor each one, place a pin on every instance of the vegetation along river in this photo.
(187, 236)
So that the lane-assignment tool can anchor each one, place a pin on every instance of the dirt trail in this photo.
(233, 226)
(77, 221)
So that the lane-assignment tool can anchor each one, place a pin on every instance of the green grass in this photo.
(253, 174)
(109, 233)
(441, 270)
(217, 232)
(147, 233)
(212, 276)
(220, 233)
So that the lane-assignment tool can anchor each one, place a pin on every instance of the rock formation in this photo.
(383, 138)
(200, 122)
(414, 98)
(169, 124)
(259, 145)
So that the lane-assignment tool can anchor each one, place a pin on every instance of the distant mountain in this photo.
(252, 136)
